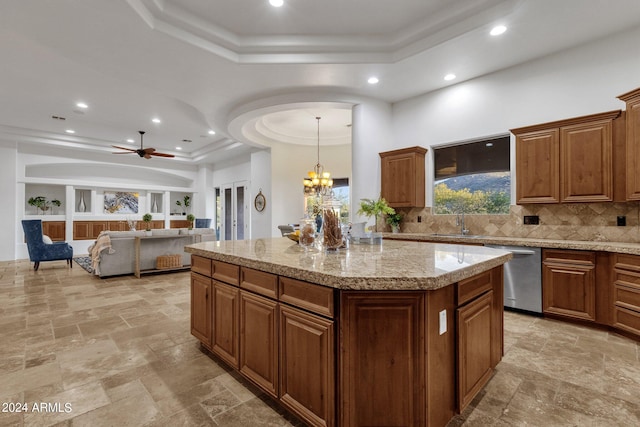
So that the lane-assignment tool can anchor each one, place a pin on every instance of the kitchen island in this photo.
(403, 333)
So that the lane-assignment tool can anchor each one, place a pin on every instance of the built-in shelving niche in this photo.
(83, 202)
(50, 192)
(156, 203)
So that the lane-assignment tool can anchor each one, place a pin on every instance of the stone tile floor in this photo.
(118, 351)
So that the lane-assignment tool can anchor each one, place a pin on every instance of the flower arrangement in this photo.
(375, 208)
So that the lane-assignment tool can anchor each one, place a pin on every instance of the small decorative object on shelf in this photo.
(332, 231)
(82, 207)
(307, 233)
(42, 203)
(154, 207)
(132, 224)
(186, 202)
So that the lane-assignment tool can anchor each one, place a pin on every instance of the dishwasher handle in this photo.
(520, 251)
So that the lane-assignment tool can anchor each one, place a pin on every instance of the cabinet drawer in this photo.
(627, 262)
(628, 320)
(201, 265)
(315, 298)
(569, 257)
(627, 296)
(224, 272)
(259, 282)
(469, 289)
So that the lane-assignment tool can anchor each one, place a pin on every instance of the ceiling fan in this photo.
(142, 152)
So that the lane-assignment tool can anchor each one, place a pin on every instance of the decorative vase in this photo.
(307, 233)
(81, 206)
(331, 229)
(154, 208)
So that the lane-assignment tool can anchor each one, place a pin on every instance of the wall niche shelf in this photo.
(83, 202)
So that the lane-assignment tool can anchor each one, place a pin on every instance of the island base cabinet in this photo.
(382, 365)
(475, 358)
(307, 366)
(259, 341)
(201, 308)
(225, 338)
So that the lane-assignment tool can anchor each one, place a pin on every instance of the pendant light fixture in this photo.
(318, 182)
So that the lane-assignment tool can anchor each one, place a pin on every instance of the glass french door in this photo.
(235, 211)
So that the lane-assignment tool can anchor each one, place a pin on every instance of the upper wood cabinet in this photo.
(632, 100)
(566, 161)
(403, 177)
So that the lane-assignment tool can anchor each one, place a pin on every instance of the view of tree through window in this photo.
(473, 178)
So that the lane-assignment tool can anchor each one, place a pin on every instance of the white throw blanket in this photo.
(103, 242)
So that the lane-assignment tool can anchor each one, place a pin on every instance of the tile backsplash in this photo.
(567, 221)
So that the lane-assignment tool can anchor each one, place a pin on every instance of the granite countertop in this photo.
(393, 265)
(616, 247)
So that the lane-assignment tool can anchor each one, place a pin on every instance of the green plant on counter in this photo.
(146, 218)
(375, 208)
(191, 218)
(394, 219)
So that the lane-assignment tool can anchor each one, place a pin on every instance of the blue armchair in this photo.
(40, 251)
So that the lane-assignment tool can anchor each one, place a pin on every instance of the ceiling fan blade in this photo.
(123, 148)
(149, 150)
(162, 154)
(122, 152)
(147, 156)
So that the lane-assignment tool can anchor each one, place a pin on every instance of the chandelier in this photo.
(318, 182)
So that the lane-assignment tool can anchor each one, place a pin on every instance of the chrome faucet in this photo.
(460, 223)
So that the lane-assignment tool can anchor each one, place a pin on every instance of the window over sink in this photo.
(473, 177)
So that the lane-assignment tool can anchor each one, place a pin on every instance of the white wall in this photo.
(9, 232)
(576, 82)
(289, 166)
(371, 131)
(261, 222)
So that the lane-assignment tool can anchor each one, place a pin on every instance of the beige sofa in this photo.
(113, 253)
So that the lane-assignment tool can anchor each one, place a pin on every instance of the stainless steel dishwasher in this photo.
(523, 278)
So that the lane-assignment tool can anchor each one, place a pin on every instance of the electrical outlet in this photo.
(443, 321)
(621, 221)
(419, 218)
(531, 220)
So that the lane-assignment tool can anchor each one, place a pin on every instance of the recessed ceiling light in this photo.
(497, 30)
(450, 76)
(130, 141)
(82, 105)
(373, 80)
(156, 120)
(276, 3)
(211, 132)
(178, 148)
(489, 144)
(70, 131)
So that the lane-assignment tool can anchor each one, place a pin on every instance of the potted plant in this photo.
(375, 208)
(146, 218)
(40, 202)
(185, 203)
(191, 218)
(394, 220)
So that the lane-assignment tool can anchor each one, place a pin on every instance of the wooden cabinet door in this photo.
(201, 308)
(474, 324)
(97, 227)
(307, 366)
(568, 284)
(225, 337)
(632, 100)
(54, 229)
(538, 167)
(403, 177)
(382, 359)
(586, 155)
(81, 230)
(259, 341)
